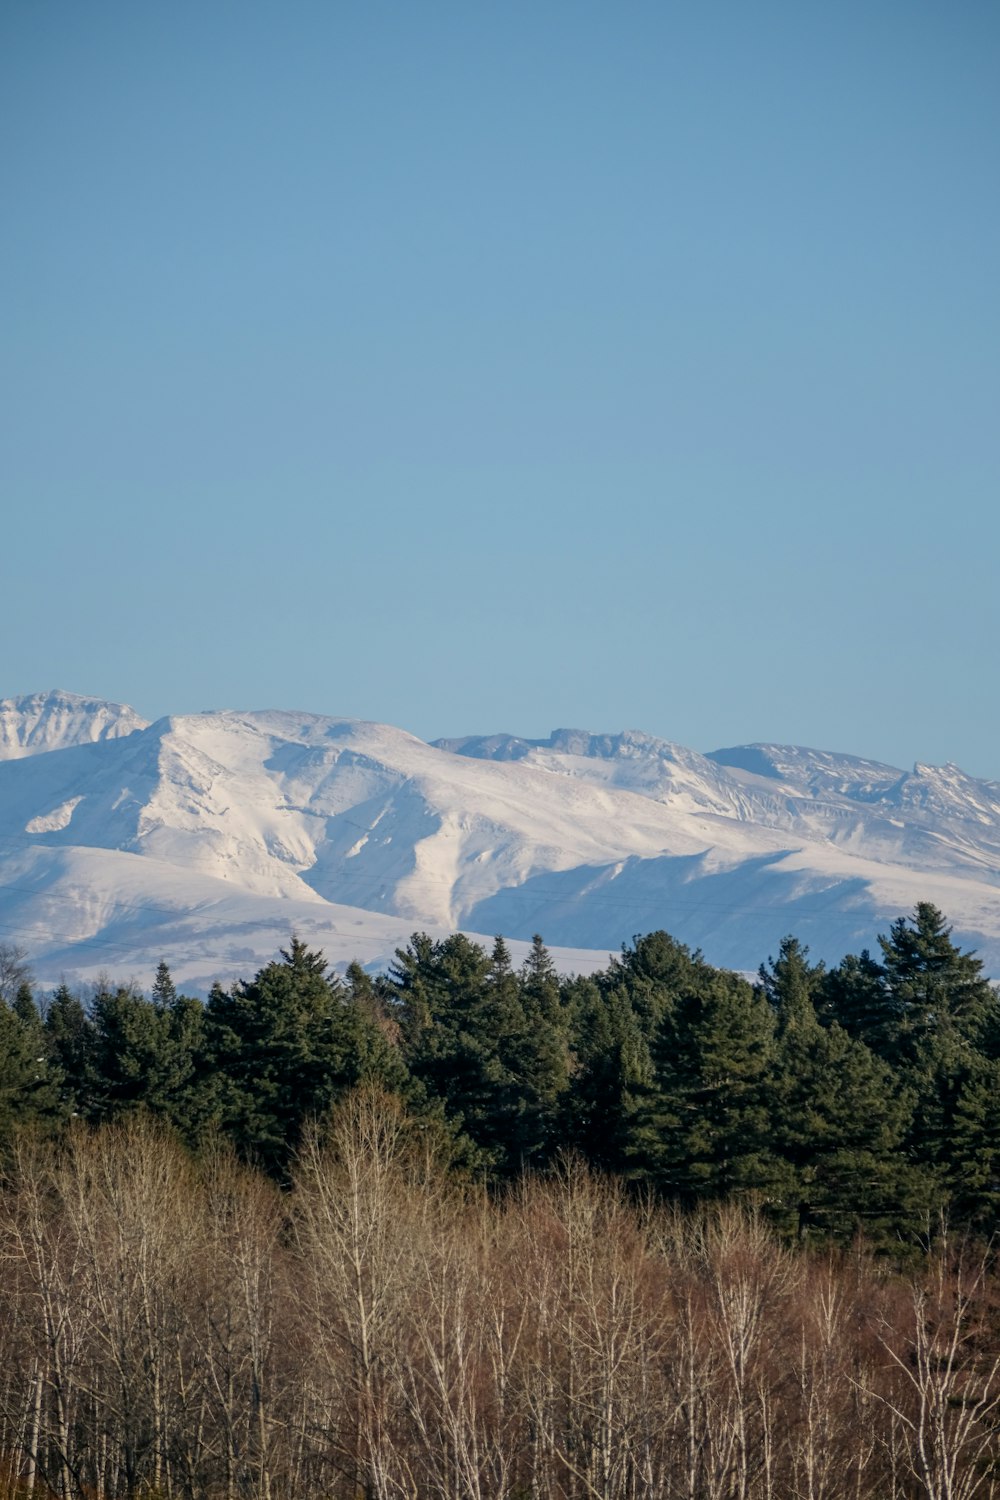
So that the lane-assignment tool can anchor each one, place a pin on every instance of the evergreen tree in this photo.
(24, 1005)
(535, 1050)
(29, 1084)
(485, 1043)
(653, 972)
(839, 1116)
(615, 1021)
(854, 996)
(285, 1045)
(613, 1034)
(610, 1075)
(164, 992)
(539, 979)
(970, 1150)
(370, 1006)
(938, 1010)
(378, 1029)
(516, 1126)
(454, 1041)
(933, 988)
(707, 1128)
(131, 1053)
(70, 1043)
(792, 985)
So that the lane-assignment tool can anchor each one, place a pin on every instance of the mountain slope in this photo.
(204, 838)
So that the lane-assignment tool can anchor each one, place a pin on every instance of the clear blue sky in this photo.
(503, 366)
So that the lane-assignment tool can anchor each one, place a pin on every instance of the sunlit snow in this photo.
(205, 839)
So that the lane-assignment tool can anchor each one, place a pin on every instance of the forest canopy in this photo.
(862, 1098)
(471, 1229)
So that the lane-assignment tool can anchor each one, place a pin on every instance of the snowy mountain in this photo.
(207, 838)
(33, 724)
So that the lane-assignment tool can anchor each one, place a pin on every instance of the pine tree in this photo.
(792, 985)
(970, 1150)
(610, 1076)
(188, 1086)
(534, 1052)
(29, 1085)
(839, 1116)
(453, 1042)
(164, 992)
(70, 1043)
(515, 1128)
(707, 1123)
(938, 1010)
(854, 995)
(379, 1037)
(285, 1045)
(654, 971)
(24, 1005)
(932, 986)
(131, 1053)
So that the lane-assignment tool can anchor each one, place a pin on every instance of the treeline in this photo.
(864, 1098)
(180, 1327)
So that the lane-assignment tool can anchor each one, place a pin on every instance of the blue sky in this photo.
(480, 367)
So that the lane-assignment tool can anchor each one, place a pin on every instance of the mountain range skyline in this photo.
(207, 838)
(58, 706)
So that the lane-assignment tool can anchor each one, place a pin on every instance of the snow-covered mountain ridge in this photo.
(205, 838)
(32, 724)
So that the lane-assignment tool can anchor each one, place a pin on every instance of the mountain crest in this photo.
(38, 722)
(206, 838)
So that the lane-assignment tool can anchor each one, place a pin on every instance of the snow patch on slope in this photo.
(55, 821)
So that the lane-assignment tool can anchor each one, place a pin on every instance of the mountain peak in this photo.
(33, 723)
(206, 837)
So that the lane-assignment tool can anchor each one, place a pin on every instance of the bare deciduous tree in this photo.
(14, 971)
(181, 1328)
(945, 1400)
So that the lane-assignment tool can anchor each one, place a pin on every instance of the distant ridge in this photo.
(38, 722)
(205, 838)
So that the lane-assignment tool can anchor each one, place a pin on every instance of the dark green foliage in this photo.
(24, 1005)
(129, 1052)
(70, 1042)
(29, 1081)
(373, 1054)
(853, 994)
(456, 1013)
(284, 1046)
(187, 1088)
(933, 989)
(792, 985)
(839, 1115)
(164, 992)
(653, 972)
(377, 1031)
(926, 990)
(615, 1021)
(487, 1043)
(707, 1127)
(148, 1055)
(611, 1075)
(863, 1099)
(937, 1027)
(535, 1051)
(970, 1157)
